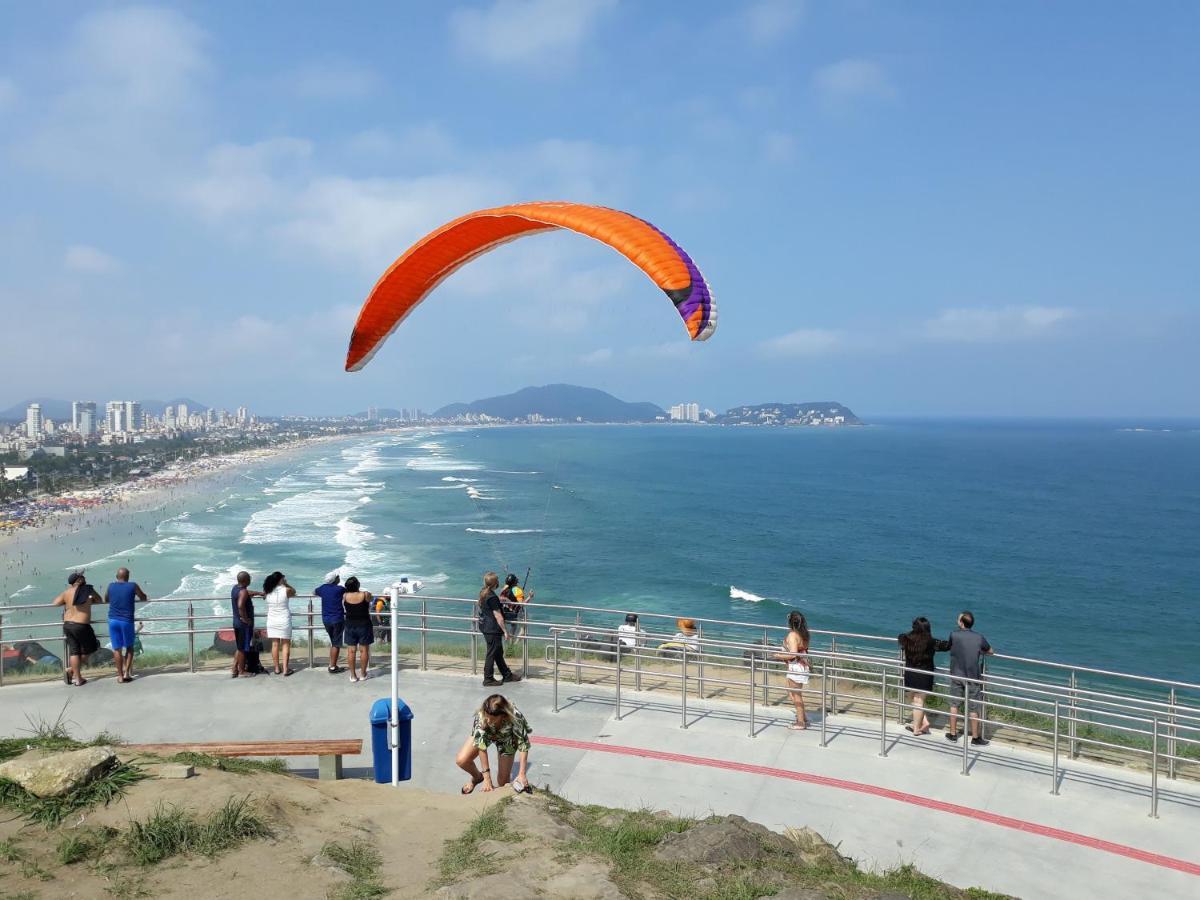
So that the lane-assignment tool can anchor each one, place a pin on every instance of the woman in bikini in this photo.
(795, 654)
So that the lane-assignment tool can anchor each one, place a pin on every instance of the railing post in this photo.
(1054, 756)
(965, 731)
(555, 672)
(424, 636)
(683, 693)
(191, 639)
(982, 698)
(900, 710)
(833, 698)
(312, 637)
(753, 678)
(524, 626)
(883, 715)
(1, 648)
(1154, 771)
(637, 661)
(1171, 733)
(618, 679)
(1072, 724)
(578, 676)
(766, 678)
(700, 660)
(824, 697)
(474, 653)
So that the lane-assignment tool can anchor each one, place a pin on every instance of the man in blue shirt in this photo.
(120, 597)
(334, 617)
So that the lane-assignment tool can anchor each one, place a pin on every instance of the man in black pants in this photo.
(491, 625)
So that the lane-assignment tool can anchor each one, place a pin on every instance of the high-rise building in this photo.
(133, 416)
(243, 415)
(168, 419)
(693, 412)
(114, 417)
(33, 421)
(181, 415)
(83, 417)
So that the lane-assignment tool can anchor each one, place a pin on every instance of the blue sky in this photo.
(913, 208)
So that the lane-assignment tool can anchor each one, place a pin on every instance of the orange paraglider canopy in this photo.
(423, 266)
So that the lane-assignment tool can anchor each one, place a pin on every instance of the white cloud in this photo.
(82, 258)
(240, 179)
(1009, 323)
(803, 342)
(779, 147)
(333, 80)
(528, 32)
(768, 21)
(850, 80)
(597, 357)
(132, 106)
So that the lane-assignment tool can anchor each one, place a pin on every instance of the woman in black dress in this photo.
(919, 645)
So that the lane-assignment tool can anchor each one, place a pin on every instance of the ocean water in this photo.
(1071, 542)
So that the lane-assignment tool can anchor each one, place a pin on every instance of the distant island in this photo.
(822, 412)
(554, 402)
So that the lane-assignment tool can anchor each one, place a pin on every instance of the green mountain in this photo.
(567, 402)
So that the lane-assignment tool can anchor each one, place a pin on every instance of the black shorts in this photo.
(359, 634)
(81, 639)
(243, 635)
(335, 630)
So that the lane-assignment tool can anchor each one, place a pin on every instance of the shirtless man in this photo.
(78, 599)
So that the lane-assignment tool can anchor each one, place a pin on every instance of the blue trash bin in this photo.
(381, 753)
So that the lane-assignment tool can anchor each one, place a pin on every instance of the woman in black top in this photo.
(358, 634)
(919, 645)
(491, 625)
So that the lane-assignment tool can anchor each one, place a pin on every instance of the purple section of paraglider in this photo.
(700, 296)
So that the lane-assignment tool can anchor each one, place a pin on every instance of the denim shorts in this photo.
(359, 634)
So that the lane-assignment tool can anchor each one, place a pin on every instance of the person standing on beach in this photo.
(279, 620)
(242, 599)
(78, 598)
(966, 647)
(122, 634)
(491, 625)
(333, 617)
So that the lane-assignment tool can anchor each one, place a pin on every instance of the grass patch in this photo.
(79, 846)
(461, 854)
(11, 854)
(235, 765)
(172, 831)
(360, 861)
(50, 811)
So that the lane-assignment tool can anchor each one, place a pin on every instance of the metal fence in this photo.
(1122, 718)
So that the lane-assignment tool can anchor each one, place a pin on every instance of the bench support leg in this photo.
(329, 768)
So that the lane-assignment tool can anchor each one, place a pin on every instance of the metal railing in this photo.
(1120, 717)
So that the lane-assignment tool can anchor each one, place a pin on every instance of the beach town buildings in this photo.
(685, 412)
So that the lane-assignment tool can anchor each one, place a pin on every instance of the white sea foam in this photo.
(442, 464)
(508, 472)
(505, 530)
(739, 594)
(24, 590)
(96, 562)
(463, 480)
(443, 487)
(364, 499)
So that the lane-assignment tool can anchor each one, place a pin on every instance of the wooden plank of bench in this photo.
(256, 748)
(329, 753)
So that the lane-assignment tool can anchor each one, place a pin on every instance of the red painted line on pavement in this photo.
(1059, 834)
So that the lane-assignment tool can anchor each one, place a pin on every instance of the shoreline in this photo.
(153, 492)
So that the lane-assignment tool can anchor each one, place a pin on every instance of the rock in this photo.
(500, 849)
(321, 861)
(170, 771)
(611, 820)
(728, 840)
(502, 886)
(583, 881)
(534, 820)
(59, 773)
(814, 849)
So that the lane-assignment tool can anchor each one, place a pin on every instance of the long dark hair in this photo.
(272, 581)
(352, 585)
(798, 624)
(491, 581)
(918, 640)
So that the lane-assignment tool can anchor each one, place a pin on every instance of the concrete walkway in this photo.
(998, 828)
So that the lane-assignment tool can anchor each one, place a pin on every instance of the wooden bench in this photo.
(328, 753)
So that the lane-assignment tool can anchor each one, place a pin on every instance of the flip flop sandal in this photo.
(470, 790)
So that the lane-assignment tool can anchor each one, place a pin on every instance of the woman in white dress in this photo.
(799, 667)
(279, 620)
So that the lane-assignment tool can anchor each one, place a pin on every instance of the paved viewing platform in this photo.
(999, 827)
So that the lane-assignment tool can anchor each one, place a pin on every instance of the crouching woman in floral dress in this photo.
(497, 723)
